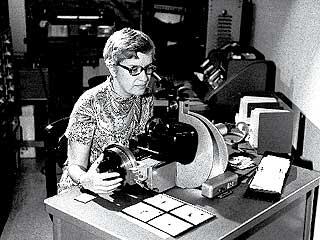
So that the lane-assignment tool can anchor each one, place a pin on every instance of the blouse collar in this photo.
(115, 95)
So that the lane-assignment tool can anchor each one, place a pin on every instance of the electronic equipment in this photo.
(74, 34)
(78, 22)
(38, 88)
(219, 185)
(229, 73)
(185, 150)
(228, 21)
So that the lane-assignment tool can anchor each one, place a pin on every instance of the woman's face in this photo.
(127, 85)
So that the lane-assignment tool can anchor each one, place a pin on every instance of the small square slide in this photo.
(142, 211)
(164, 202)
(170, 224)
(192, 214)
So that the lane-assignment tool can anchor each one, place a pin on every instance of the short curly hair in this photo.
(124, 44)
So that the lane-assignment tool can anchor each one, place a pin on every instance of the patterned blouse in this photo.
(101, 117)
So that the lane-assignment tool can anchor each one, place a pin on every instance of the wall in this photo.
(288, 32)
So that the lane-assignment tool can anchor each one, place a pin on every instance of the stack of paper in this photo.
(248, 103)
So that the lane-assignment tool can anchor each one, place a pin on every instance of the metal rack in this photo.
(7, 82)
(9, 124)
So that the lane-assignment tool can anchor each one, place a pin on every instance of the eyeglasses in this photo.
(136, 70)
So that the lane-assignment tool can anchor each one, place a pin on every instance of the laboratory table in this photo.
(236, 215)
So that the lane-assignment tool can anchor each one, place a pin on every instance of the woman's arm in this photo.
(90, 179)
(78, 155)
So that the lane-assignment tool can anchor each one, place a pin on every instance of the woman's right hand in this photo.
(100, 183)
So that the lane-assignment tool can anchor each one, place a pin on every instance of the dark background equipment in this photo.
(230, 72)
(67, 35)
(9, 112)
(178, 29)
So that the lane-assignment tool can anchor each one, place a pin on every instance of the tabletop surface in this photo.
(234, 214)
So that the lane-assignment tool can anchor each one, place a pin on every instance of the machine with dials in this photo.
(184, 150)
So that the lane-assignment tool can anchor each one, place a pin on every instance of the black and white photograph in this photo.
(159, 119)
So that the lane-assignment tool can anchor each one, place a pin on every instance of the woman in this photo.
(112, 112)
